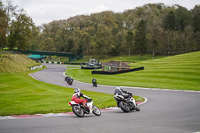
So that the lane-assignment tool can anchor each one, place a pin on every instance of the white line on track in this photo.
(32, 77)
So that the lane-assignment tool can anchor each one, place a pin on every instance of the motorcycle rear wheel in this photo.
(124, 106)
(78, 111)
(96, 110)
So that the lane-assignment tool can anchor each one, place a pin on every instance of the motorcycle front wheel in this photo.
(96, 110)
(124, 106)
(78, 111)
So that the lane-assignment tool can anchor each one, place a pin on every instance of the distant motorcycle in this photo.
(80, 110)
(94, 82)
(125, 105)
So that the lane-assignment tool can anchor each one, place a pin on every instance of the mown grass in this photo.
(180, 72)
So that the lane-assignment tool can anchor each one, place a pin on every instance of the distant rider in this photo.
(69, 79)
(66, 78)
(94, 80)
(77, 97)
(121, 92)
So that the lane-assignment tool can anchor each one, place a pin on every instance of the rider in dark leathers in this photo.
(69, 79)
(94, 82)
(121, 91)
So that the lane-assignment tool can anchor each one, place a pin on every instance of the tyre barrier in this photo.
(117, 72)
(91, 67)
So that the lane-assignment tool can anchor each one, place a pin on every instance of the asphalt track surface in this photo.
(165, 112)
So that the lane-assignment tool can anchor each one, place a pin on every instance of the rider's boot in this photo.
(85, 105)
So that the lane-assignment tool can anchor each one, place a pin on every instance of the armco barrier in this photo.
(35, 67)
(118, 72)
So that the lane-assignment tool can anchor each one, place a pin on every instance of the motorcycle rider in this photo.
(121, 91)
(77, 97)
(70, 79)
(66, 78)
(94, 81)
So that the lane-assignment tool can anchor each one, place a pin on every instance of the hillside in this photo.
(12, 63)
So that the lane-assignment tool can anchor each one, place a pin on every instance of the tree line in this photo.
(154, 29)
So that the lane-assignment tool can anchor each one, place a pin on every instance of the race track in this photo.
(165, 112)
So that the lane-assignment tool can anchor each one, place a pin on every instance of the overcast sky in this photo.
(45, 11)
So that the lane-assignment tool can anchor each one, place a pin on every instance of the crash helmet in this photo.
(76, 90)
(118, 87)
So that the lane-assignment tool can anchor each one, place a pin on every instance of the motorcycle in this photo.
(125, 105)
(80, 111)
(94, 84)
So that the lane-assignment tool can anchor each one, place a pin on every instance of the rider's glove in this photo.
(89, 99)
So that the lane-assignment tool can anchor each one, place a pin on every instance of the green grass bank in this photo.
(15, 63)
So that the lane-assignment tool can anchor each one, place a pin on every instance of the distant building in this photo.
(114, 66)
(93, 63)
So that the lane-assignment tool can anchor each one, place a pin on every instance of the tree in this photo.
(196, 18)
(166, 29)
(188, 38)
(47, 44)
(140, 38)
(183, 17)
(10, 11)
(85, 40)
(21, 31)
(3, 26)
(129, 41)
(196, 25)
(169, 23)
(103, 39)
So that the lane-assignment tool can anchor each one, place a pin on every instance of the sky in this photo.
(46, 11)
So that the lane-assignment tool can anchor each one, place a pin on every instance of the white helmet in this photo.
(118, 87)
(77, 90)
